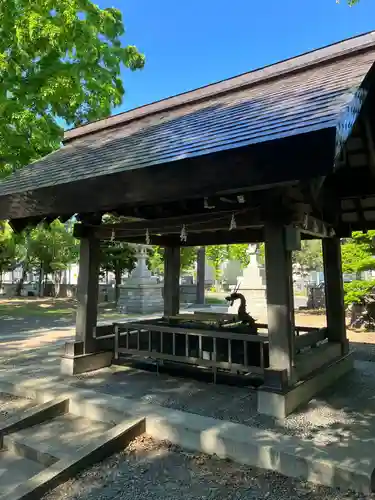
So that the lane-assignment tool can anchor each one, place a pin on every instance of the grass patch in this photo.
(111, 314)
(46, 307)
(36, 308)
(215, 301)
(26, 311)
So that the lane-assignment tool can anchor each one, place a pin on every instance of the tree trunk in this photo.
(19, 286)
(217, 274)
(40, 281)
(118, 283)
(56, 283)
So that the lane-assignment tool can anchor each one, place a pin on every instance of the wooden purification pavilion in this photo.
(280, 153)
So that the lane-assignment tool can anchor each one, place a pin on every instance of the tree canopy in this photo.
(46, 248)
(60, 62)
(8, 248)
(53, 246)
(309, 258)
(217, 254)
(188, 256)
(358, 254)
(239, 252)
(117, 257)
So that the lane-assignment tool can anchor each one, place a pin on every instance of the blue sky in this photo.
(193, 43)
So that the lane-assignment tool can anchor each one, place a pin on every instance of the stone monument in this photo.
(141, 293)
(252, 285)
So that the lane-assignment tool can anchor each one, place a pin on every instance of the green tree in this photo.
(188, 256)
(358, 252)
(54, 248)
(239, 252)
(310, 257)
(117, 257)
(25, 257)
(59, 62)
(358, 255)
(217, 254)
(155, 260)
(8, 249)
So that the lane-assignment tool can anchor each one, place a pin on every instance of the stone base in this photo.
(141, 299)
(74, 365)
(282, 404)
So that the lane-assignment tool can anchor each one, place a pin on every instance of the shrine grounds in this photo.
(32, 333)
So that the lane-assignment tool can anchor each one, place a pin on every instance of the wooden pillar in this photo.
(280, 308)
(334, 292)
(171, 281)
(201, 272)
(87, 292)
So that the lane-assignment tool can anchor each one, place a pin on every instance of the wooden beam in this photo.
(207, 174)
(271, 209)
(203, 239)
(313, 226)
(210, 220)
(370, 144)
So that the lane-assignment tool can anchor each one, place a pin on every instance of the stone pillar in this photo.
(334, 292)
(141, 293)
(280, 310)
(171, 281)
(201, 271)
(83, 355)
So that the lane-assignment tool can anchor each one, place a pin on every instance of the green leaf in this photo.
(59, 62)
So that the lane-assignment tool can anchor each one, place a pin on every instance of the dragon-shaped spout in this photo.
(242, 313)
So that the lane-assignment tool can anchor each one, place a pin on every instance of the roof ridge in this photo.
(303, 61)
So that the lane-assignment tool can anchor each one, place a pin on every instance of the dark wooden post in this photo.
(201, 272)
(87, 292)
(171, 281)
(280, 309)
(334, 292)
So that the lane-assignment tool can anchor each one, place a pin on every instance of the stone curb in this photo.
(291, 456)
(24, 450)
(109, 442)
(34, 415)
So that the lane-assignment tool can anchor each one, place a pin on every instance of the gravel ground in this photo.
(10, 404)
(159, 470)
(343, 413)
(362, 351)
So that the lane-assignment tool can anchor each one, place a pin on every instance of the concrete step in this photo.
(58, 437)
(15, 470)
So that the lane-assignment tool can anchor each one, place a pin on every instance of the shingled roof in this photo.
(307, 93)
